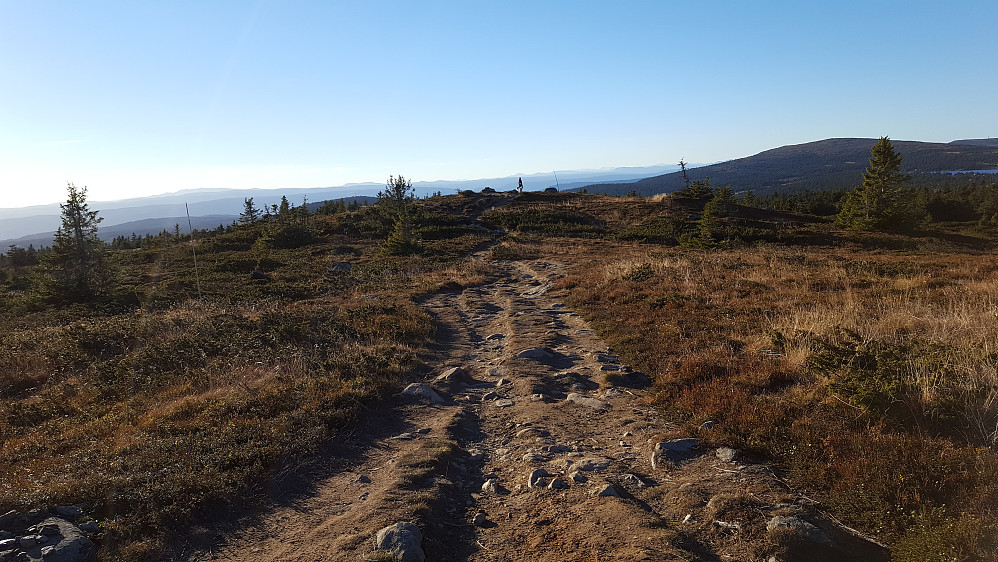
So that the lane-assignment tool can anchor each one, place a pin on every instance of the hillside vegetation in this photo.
(861, 365)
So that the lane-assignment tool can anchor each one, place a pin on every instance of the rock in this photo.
(403, 540)
(628, 379)
(341, 267)
(66, 543)
(403, 437)
(258, 275)
(607, 358)
(501, 382)
(611, 393)
(726, 454)
(503, 403)
(528, 432)
(454, 374)
(807, 530)
(556, 449)
(490, 487)
(490, 396)
(7, 544)
(534, 353)
(424, 430)
(609, 367)
(534, 457)
(628, 434)
(707, 425)
(535, 477)
(632, 481)
(496, 337)
(537, 397)
(422, 392)
(607, 491)
(578, 477)
(675, 450)
(364, 479)
(587, 401)
(688, 518)
(593, 464)
(48, 530)
(7, 519)
(558, 484)
(72, 512)
(90, 527)
(5, 535)
(480, 519)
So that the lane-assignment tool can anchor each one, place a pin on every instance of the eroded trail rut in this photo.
(553, 457)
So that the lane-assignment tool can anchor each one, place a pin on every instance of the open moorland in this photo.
(666, 378)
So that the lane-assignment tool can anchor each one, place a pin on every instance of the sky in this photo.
(139, 98)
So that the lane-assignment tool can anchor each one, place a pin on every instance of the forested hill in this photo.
(819, 165)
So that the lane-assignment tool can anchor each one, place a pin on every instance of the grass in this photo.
(863, 367)
(154, 407)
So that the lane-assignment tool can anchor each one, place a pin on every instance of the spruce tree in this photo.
(77, 267)
(250, 213)
(876, 204)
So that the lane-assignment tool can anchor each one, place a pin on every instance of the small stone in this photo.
(558, 484)
(364, 479)
(27, 542)
(69, 511)
(536, 476)
(578, 477)
(593, 464)
(503, 403)
(607, 491)
(609, 367)
(454, 374)
(726, 454)
(90, 527)
(537, 397)
(423, 392)
(490, 487)
(480, 519)
(424, 430)
(489, 396)
(688, 518)
(534, 353)
(528, 432)
(612, 393)
(707, 425)
(807, 529)
(403, 540)
(7, 518)
(587, 401)
(496, 337)
(632, 481)
(628, 434)
(534, 457)
(403, 437)
(607, 358)
(501, 382)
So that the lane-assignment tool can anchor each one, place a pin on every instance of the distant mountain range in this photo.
(820, 165)
(150, 215)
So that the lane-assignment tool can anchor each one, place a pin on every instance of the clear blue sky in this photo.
(141, 97)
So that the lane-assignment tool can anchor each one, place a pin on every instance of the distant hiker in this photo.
(520, 189)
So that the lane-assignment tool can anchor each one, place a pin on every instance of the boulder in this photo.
(403, 540)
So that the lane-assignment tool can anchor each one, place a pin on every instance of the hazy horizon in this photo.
(143, 99)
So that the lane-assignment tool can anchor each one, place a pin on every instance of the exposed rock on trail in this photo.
(539, 444)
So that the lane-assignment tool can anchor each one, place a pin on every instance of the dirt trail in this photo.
(566, 412)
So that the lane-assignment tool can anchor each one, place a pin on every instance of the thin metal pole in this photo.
(193, 253)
